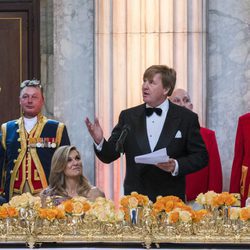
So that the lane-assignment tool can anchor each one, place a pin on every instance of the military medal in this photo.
(42, 142)
(32, 142)
(53, 144)
(38, 144)
(46, 142)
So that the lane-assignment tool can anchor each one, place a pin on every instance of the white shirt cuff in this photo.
(176, 170)
(99, 146)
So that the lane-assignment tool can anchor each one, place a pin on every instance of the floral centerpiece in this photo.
(27, 207)
(67, 217)
(213, 200)
(174, 217)
(166, 204)
(133, 206)
(224, 199)
(75, 206)
(186, 215)
(175, 210)
(219, 205)
(51, 213)
(8, 214)
(25, 201)
(206, 200)
(104, 211)
(244, 214)
(7, 211)
(239, 214)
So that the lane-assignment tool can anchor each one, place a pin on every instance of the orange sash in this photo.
(243, 181)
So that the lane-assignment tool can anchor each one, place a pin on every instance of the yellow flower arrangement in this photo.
(185, 216)
(104, 210)
(244, 214)
(199, 215)
(7, 211)
(168, 204)
(207, 198)
(51, 213)
(26, 200)
(213, 199)
(134, 200)
(178, 215)
(224, 199)
(3, 213)
(176, 210)
(234, 213)
(173, 217)
(75, 206)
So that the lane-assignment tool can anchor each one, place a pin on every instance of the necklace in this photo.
(72, 193)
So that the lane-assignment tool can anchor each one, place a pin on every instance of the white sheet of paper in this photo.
(153, 158)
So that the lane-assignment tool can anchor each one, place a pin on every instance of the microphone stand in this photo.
(121, 150)
(121, 175)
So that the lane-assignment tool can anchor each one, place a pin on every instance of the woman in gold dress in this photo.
(66, 178)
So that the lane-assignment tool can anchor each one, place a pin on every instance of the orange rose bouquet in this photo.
(186, 215)
(167, 204)
(75, 206)
(51, 213)
(134, 201)
(175, 210)
(224, 199)
(244, 214)
(7, 211)
(199, 215)
(214, 200)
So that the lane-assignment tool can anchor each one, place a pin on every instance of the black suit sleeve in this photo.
(196, 156)
(108, 153)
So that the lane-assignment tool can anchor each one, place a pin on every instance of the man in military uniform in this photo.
(27, 145)
(240, 175)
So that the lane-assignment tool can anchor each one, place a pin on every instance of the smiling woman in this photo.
(66, 178)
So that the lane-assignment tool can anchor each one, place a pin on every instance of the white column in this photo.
(228, 73)
(130, 36)
(74, 73)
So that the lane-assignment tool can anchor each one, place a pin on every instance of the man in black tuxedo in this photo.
(165, 126)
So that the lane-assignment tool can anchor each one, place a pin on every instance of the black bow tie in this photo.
(150, 111)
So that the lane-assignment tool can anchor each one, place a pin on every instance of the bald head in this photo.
(181, 98)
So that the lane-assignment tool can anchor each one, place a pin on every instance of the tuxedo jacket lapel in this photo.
(141, 130)
(169, 129)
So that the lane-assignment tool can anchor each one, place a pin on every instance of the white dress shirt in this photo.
(155, 124)
(29, 123)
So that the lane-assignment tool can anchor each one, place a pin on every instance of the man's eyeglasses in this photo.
(30, 83)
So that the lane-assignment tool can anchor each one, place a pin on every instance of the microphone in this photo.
(120, 141)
